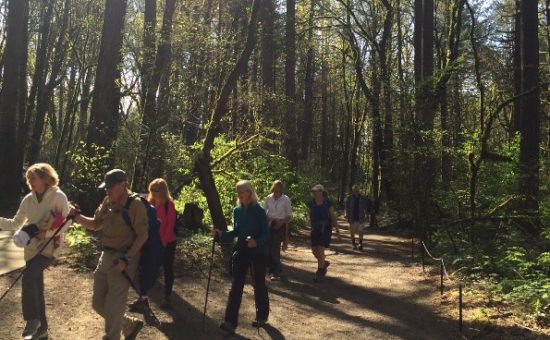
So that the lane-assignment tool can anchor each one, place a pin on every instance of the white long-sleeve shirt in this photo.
(278, 209)
(32, 212)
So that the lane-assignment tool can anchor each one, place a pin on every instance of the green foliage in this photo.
(88, 165)
(500, 251)
(84, 246)
(253, 162)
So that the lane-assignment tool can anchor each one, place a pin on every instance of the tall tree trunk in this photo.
(307, 121)
(11, 105)
(423, 60)
(270, 116)
(386, 154)
(163, 64)
(104, 117)
(377, 142)
(46, 91)
(148, 96)
(346, 128)
(290, 142)
(203, 160)
(325, 142)
(529, 163)
(450, 58)
(516, 64)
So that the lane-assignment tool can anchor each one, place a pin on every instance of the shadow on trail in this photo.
(324, 297)
(186, 319)
(386, 312)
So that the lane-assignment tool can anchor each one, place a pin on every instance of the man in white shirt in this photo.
(279, 211)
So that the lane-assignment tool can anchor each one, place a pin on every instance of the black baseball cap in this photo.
(113, 177)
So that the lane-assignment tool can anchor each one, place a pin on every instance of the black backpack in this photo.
(152, 251)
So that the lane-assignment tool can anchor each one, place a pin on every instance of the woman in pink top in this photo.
(159, 196)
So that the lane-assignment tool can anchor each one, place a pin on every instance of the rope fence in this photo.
(443, 274)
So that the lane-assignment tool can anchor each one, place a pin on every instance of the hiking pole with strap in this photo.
(35, 256)
(208, 284)
(130, 281)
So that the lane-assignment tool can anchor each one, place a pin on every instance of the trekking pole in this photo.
(35, 256)
(130, 281)
(208, 284)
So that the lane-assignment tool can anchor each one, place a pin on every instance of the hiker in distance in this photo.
(252, 233)
(321, 218)
(357, 212)
(40, 213)
(120, 252)
(159, 196)
(279, 211)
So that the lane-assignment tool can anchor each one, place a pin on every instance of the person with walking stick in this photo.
(252, 232)
(119, 259)
(41, 213)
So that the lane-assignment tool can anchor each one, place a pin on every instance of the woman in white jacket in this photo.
(46, 207)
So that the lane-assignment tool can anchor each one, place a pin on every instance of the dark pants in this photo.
(275, 239)
(34, 306)
(168, 267)
(242, 260)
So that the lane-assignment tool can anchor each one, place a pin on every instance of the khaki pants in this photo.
(111, 293)
(276, 237)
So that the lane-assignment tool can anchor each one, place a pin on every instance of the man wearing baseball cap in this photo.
(120, 252)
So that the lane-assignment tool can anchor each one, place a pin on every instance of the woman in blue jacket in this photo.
(251, 229)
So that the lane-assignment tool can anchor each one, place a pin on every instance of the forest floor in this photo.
(379, 293)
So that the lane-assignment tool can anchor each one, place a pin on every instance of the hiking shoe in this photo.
(137, 325)
(139, 306)
(226, 326)
(259, 323)
(166, 303)
(31, 328)
(41, 334)
(326, 265)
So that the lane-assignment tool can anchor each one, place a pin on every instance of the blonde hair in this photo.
(160, 185)
(246, 185)
(45, 172)
(276, 184)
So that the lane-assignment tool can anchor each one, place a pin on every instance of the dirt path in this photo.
(375, 294)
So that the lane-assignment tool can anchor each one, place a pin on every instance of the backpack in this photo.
(152, 251)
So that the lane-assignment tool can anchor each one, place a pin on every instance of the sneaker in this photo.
(226, 326)
(166, 303)
(137, 326)
(31, 327)
(259, 323)
(139, 306)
